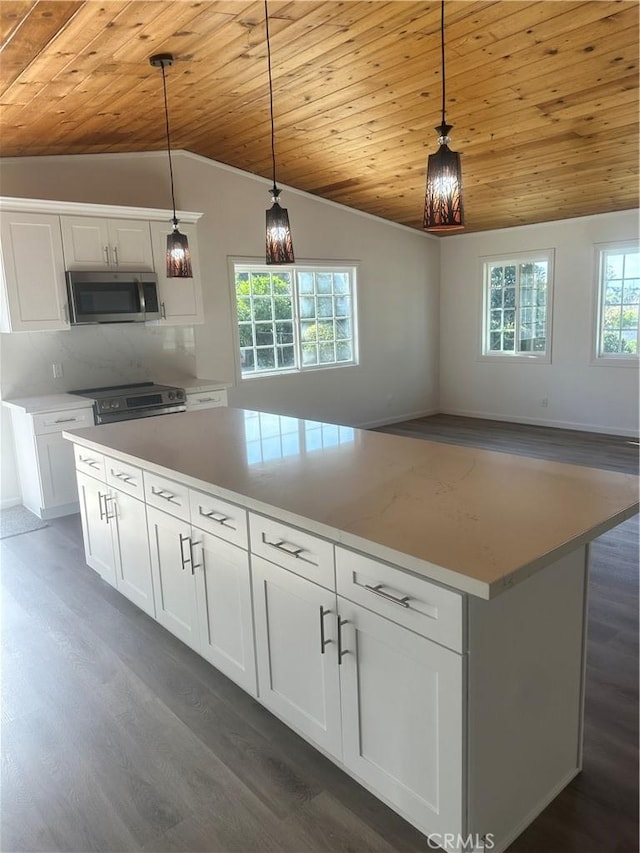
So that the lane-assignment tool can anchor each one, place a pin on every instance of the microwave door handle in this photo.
(143, 308)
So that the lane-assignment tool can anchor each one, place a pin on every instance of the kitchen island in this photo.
(416, 610)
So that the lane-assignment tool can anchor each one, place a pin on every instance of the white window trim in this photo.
(351, 266)
(610, 360)
(516, 358)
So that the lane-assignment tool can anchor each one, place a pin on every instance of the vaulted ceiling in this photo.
(543, 96)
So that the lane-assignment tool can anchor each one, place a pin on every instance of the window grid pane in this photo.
(619, 288)
(293, 319)
(516, 307)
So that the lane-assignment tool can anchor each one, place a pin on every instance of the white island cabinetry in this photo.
(114, 525)
(396, 625)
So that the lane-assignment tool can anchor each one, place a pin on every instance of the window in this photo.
(517, 306)
(618, 323)
(294, 318)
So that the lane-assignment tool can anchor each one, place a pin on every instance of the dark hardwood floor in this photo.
(116, 737)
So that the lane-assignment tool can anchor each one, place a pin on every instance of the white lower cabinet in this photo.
(402, 722)
(203, 594)
(115, 539)
(96, 530)
(172, 564)
(296, 645)
(224, 609)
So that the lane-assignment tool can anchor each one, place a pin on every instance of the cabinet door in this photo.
(173, 579)
(34, 293)
(402, 718)
(57, 471)
(96, 527)
(130, 244)
(224, 608)
(86, 243)
(296, 679)
(180, 298)
(131, 550)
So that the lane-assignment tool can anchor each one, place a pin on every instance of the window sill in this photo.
(603, 361)
(520, 358)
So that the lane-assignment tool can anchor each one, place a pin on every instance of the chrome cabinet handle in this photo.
(65, 420)
(282, 545)
(163, 311)
(377, 590)
(108, 517)
(160, 493)
(65, 309)
(106, 255)
(121, 476)
(91, 462)
(341, 652)
(115, 255)
(213, 515)
(206, 399)
(102, 511)
(194, 565)
(323, 642)
(184, 559)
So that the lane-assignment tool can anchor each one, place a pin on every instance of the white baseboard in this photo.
(5, 503)
(395, 419)
(548, 422)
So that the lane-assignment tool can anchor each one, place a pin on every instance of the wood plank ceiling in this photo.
(543, 96)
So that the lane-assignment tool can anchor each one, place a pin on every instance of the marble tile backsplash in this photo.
(93, 356)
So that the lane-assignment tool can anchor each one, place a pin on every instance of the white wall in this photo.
(397, 292)
(581, 395)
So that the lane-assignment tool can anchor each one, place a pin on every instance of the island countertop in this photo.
(478, 521)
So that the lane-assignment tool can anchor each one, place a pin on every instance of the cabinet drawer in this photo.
(293, 549)
(206, 400)
(89, 462)
(167, 495)
(408, 600)
(125, 477)
(224, 520)
(58, 421)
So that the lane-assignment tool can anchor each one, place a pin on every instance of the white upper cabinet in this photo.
(96, 243)
(34, 294)
(180, 298)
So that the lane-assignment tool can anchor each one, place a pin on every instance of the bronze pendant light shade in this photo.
(443, 209)
(178, 255)
(279, 247)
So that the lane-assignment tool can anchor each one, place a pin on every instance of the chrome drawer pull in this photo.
(284, 546)
(160, 493)
(377, 590)
(65, 420)
(220, 517)
(120, 476)
(91, 462)
(206, 400)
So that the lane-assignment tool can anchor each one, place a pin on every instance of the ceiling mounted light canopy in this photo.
(443, 211)
(178, 255)
(279, 243)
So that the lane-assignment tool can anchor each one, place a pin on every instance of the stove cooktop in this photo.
(135, 400)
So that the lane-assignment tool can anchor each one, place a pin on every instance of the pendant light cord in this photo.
(166, 118)
(442, 47)
(273, 133)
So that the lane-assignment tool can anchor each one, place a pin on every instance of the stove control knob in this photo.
(179, 395)
(172, 395)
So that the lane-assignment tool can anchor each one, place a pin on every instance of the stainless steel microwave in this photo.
(112, 297)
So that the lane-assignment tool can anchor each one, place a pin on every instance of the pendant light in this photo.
(178, 255)
(279, 244)
(443, 211)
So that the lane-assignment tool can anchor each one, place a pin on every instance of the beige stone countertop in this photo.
(476, 520)
(48, 403)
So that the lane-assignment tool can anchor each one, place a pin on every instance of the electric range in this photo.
(135, 400)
